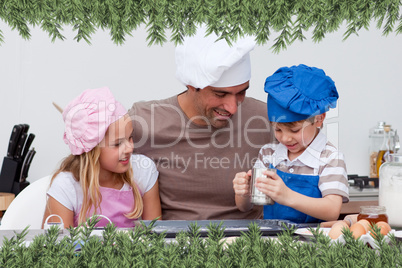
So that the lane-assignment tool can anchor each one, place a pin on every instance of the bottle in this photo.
(376, 136)
(390, 189)
(386, 149)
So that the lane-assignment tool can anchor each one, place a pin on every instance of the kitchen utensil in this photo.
(21, 141)
(230, 227)
(258, 197)
(9, 171)
(26, 165)
(28, 143)
(12, 144)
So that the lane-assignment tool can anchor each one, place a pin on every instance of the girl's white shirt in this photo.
(67, 191)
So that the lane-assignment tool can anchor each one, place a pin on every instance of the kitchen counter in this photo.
(232, 228)
(353, 207)
(358, 197)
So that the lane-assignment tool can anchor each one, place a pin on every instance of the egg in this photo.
(357, 230)
(366, 224)
(351, 218)
(337, 228)
(385, 228)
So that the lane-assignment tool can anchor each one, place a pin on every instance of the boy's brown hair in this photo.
(292, 124)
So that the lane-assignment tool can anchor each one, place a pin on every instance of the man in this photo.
(202, 137)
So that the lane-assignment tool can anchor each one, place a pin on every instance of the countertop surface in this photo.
(231, 228)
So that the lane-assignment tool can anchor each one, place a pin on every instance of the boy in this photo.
(311, 179)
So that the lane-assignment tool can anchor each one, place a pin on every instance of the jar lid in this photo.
(387, 128)
(372, 210)
(379, 129)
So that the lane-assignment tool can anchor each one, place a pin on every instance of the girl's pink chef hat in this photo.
(88, 117)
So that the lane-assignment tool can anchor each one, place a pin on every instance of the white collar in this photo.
(310, 157)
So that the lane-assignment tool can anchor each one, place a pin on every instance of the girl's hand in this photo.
(241, 183)
(274, 187)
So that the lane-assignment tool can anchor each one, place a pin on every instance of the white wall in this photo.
(365, 68)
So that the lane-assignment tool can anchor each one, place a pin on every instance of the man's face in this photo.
(216, 105)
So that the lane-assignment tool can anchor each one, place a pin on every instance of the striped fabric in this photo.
(320, 158)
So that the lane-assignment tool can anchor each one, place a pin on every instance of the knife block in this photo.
(10, 172)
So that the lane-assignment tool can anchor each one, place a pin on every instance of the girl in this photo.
(97, 178)
(311, 180)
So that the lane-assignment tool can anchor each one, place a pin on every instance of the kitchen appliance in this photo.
(362, 188)
(390, 195)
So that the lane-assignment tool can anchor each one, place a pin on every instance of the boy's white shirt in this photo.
(311, 157)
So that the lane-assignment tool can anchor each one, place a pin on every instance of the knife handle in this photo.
(30, 139)
(15, 133)
(26, 165)
(21, 141)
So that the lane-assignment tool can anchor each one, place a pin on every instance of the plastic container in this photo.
(390, 189)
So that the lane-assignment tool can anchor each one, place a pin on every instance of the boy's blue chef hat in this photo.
(299, 92)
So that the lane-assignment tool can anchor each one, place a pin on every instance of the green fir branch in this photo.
(392, 17)
(399, 28)
(155, 11)
(140, 247)
(229, 19)
(263, 13)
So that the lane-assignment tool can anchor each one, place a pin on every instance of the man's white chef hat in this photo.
(201, 61)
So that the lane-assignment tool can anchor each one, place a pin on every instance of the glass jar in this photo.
(390, 189)
(383, 140)
(387, 148)
(373, 214)
(376, 136)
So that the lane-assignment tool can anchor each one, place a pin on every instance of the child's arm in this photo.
(241, 187)
(54, 207)
(326, 208)
(152, 204)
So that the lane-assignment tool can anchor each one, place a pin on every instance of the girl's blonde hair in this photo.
(85, 169)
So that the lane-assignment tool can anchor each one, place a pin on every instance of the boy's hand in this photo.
(274, 187)
(241, 183)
